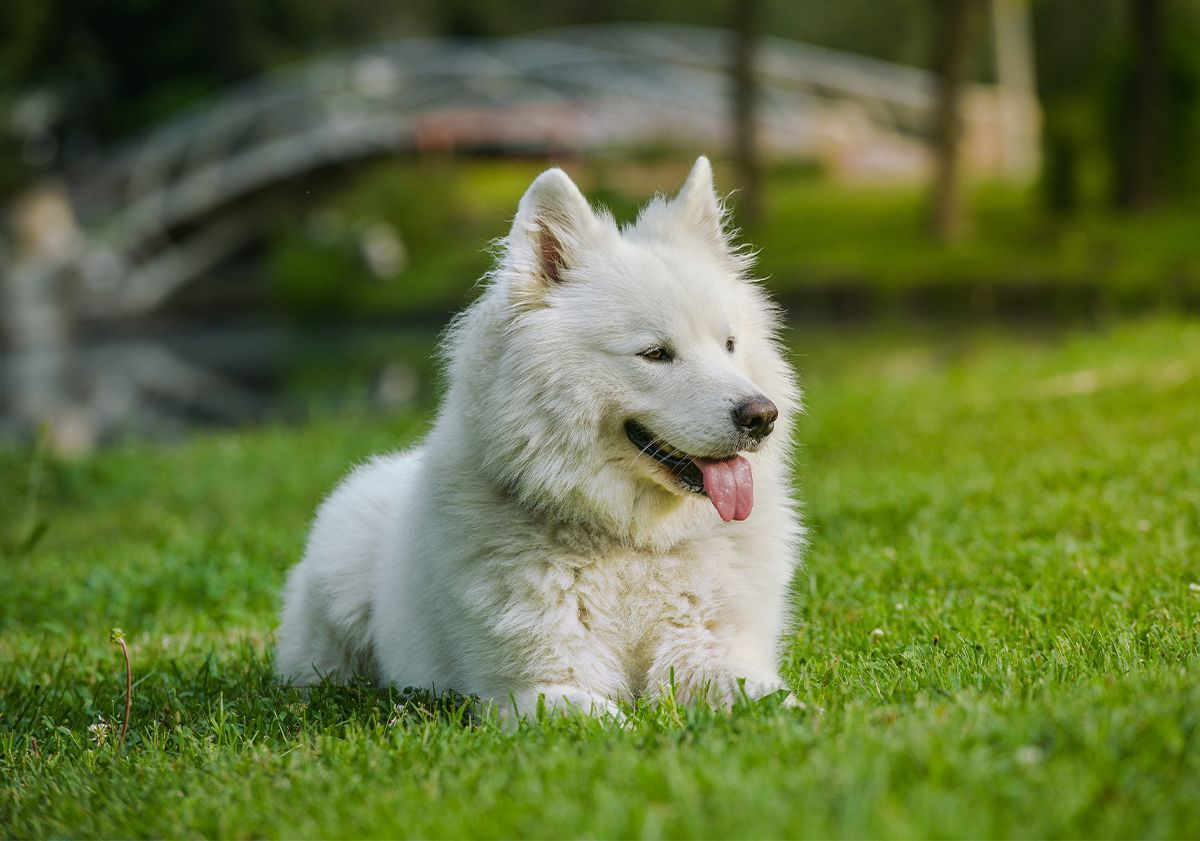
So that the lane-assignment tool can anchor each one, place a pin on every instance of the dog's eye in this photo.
(729, 344)
(657, 354)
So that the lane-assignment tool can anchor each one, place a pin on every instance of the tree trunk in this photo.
(745, 25)
(1012, 35)
(1139, 186)
(952, 51)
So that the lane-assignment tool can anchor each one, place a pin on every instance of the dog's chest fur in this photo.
(633, 602)
(615, 608)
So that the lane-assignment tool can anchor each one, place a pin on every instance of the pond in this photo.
(159, 382)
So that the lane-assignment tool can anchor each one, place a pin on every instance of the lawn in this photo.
(998, 628)
(819, 239)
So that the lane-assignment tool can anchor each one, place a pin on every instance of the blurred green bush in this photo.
(816, 234)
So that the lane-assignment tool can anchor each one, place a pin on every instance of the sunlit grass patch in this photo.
(998, 629)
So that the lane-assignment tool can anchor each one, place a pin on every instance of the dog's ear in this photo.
(553, 224)
(697, 205)
(697, 214)
(699, 211)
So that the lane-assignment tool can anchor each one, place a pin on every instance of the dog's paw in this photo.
(756, 690)
(727, 688)
(560, 699)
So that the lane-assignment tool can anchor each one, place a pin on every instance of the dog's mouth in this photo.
(727, 482)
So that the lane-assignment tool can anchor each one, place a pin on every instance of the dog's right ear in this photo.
(553, 225)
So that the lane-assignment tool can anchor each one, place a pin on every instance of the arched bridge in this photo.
(163, 211)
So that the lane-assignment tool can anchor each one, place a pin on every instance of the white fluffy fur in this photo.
(526, 548)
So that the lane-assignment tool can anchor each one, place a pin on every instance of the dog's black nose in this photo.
(756, 417)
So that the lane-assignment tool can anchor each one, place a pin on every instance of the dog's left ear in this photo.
(697, 205)
(696, 212)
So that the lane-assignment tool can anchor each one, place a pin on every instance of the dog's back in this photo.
(328, 597)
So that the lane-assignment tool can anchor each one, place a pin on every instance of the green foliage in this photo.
(871, 238)
(121, 65)
(443, 214)
(113, 68)
(1182, 171)
(1086, 77)
(1177, 129)
(868, 240)
(998, 635)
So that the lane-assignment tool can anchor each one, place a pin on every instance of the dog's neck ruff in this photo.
(641, 515)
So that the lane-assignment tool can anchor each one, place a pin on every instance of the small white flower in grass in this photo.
(396, 717)
(1029, 755)
(1194, 586)
(99, 732)
(899, 605)
(877, 635)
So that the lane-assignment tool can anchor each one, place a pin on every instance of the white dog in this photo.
(555, 534)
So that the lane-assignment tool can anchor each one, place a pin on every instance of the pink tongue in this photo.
(729, 485)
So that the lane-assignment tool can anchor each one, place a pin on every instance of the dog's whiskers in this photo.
(653, 443)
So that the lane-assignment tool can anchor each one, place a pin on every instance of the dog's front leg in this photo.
(539, 648)
(689, 678)
(702, 655)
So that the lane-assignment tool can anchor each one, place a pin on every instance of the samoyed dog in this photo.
(602, 510)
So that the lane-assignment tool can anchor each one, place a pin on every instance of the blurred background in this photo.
(237, 211)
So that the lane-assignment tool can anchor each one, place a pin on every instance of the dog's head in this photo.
(621, 375)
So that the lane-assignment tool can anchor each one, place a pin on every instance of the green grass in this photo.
(1018, 516)
(816, 231)
(816, 235)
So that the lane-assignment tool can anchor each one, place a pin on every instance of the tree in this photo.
(1139, 180)
(953, 45)
(1012, 39)
(746, 21)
